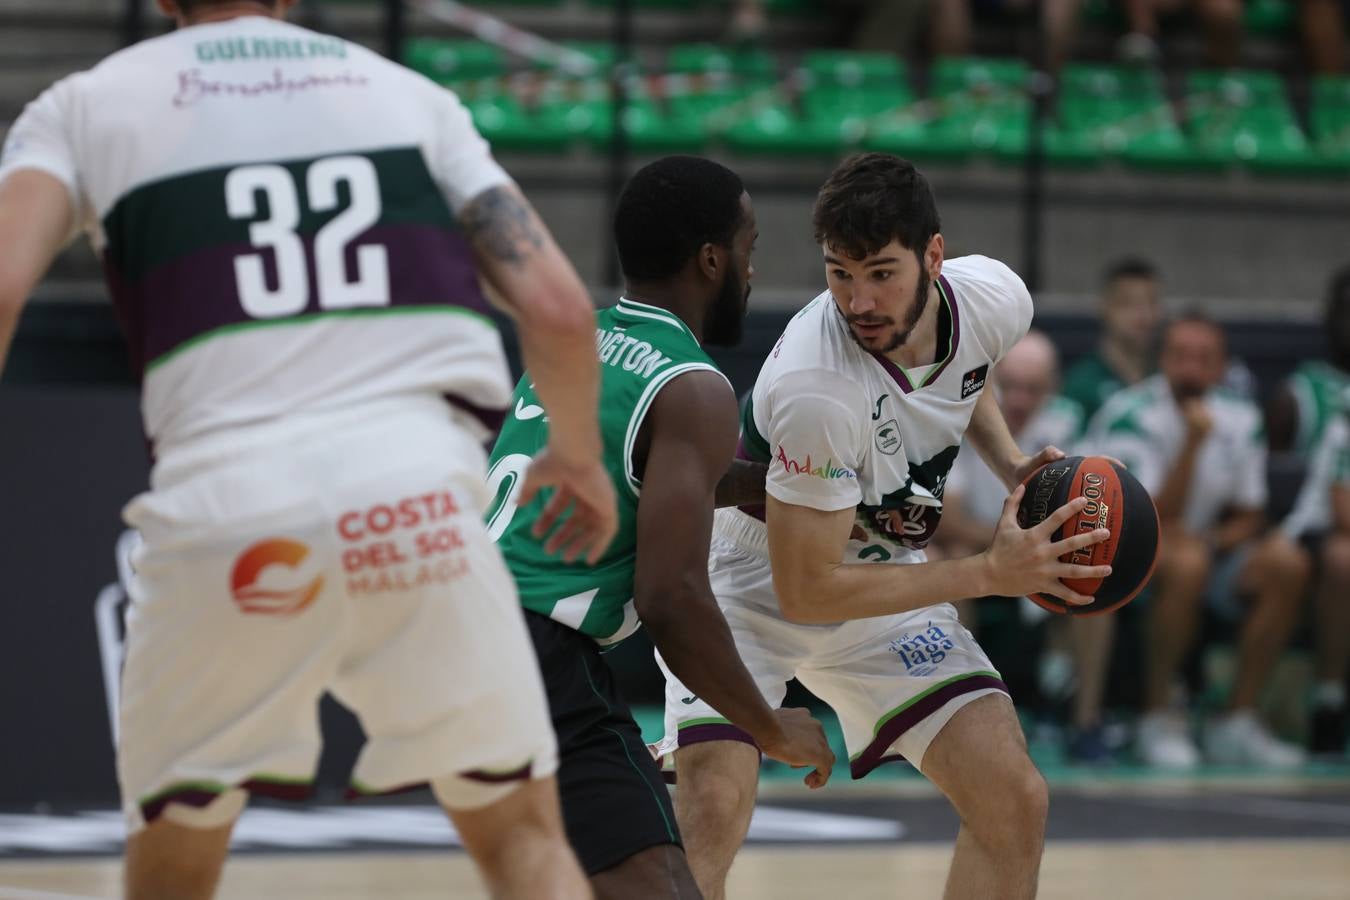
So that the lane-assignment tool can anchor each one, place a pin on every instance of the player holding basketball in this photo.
(859, 412)
(685, 230)
(293, 230)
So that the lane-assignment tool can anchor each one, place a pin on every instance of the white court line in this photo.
(13, 893)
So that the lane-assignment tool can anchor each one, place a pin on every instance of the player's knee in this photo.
(1014, 818)
(714, 784)
(1185, 557)
(1282, 562)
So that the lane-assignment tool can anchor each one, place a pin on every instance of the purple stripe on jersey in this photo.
(898, 374)
(955, 327)
(199, 798)
(491, 419)
(715, 731)
(875, 753)
(196, 293)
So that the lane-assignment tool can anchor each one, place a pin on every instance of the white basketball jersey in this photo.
(841, 427)
(275, 213)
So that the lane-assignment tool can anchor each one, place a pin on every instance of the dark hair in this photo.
(671, 208)
(1129, 267)
(1197, 316)
(872, 199)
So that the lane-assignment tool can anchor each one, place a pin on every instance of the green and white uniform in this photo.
(843, 429)
(642, 349)
(1319, 390)
(276, 214)
(1090, 382)
(1144, 428)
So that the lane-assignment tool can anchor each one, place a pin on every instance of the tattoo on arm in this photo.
(743, 484)
(501, 224)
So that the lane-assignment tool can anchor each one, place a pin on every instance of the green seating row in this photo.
(838, 101)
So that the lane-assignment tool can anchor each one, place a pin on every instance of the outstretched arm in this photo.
(693, 433)
(35, 219)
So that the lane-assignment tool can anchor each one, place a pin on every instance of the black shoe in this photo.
(1328, 731)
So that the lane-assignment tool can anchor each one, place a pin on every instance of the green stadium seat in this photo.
(1329, 121)
(750, 63)
(848, 69)
(502, 119)
(979, 106)
(1109, 111)
(1244, 118)
(444, 61)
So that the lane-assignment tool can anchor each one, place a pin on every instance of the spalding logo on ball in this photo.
(1116, 501)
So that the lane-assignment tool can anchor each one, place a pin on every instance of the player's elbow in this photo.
(559, 315)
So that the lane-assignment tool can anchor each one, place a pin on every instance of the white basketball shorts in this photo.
(342, 552)
(893, 681)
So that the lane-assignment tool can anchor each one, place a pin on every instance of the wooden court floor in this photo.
(1134, 870)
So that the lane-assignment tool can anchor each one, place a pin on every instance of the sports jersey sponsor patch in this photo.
(828, 470)
(973, 380)
(272, 577)
(888, 437)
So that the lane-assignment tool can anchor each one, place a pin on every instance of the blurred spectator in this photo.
(748, 21)
(1323, 25)
(892, 26)
(1131, 310)
(1221, 19)
(1200, 452)
(1307, 427)
(1026, 380)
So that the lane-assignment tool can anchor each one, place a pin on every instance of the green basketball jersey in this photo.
(642, 349)
(1318, 387)
(1091, 382)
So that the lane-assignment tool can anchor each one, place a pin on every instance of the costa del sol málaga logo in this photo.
(270, 577)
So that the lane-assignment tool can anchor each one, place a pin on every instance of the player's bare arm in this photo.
(692, 431)
(988, 433)
(536, 285)
(742, 484)
(35, 219)
(815, 586)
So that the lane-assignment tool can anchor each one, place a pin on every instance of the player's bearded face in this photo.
(877, 332)
(726, 317)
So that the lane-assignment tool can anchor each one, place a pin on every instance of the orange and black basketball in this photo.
(1116, 501)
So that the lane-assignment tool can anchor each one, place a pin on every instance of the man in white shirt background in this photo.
(1200, 451)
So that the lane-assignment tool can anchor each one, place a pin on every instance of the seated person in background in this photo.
(1200, 452)
(1221, 20)
(1305, 422)
(1026, 381)
(894, 26)
(1322, 24)
(1320, 522)
(1131, 309)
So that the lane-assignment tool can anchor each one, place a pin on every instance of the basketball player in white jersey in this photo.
(293, 229)
(859, 412)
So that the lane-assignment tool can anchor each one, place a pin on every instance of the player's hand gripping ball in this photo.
(1116, 501)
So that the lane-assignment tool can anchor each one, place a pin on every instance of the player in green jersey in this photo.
(685, 230)
(1131, 310)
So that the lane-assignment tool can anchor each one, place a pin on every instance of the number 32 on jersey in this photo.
(365, 284)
